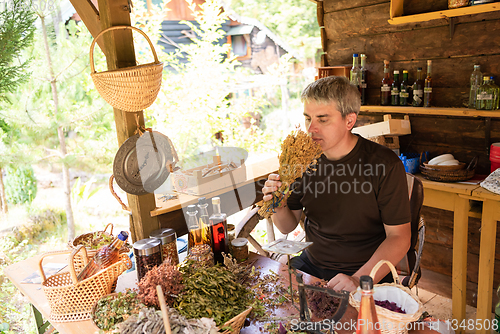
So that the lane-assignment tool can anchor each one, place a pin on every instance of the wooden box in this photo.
(389, 127)
(198, 180)
(341, 71)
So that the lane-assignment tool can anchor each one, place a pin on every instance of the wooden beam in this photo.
(120, 53)
(90, 16)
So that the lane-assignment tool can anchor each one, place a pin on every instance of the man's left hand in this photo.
(343, 282)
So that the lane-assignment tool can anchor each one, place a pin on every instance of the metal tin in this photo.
(166, 235)
(168, 239)
(147, 246)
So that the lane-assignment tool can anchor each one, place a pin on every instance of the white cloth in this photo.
(492, 182)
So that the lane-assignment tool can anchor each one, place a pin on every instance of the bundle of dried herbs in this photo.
(150, 321)
(95, 240)
(168, 277)
(212, 293)
(298, 153)
(321, 304)
(113, 309)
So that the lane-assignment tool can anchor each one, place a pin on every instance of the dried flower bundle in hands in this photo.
(298, 153)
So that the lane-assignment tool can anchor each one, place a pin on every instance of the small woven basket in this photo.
(449, 173)
(130, 88)
(391, 322)
(70, 300)
(237, 322)
(73, 244)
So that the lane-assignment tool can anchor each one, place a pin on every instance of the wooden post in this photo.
(120, 53)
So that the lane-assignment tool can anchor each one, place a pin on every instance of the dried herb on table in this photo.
(391, 306)
(168, 277)
(150, 321)
(298, 153)
(321, 304)
(111, 310)
(212, 293)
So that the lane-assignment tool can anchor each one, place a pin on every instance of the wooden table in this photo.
(33, 292)
(455, 197)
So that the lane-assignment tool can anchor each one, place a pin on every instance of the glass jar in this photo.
(147, 253)
(202, 254)
(168, 239)
(240, 249)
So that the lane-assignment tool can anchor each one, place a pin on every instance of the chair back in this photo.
(412, 259)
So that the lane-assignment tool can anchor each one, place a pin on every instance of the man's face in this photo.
(327, 127)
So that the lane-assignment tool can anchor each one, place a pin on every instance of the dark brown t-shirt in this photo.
(348, 201)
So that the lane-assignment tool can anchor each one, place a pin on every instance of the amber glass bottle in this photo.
(418, 90)
(428, 86)
(367, 316)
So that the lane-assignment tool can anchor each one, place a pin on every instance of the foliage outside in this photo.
(20, 184)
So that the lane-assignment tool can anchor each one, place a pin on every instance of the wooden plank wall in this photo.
(360, 26)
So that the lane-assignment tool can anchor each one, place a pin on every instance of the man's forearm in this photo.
(285, 219)
(392, 249)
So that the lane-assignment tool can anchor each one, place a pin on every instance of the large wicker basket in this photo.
(237, 322)
(391, 322)
(130, 88)
(70, 300)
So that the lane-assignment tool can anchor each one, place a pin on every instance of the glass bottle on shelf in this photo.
(105, 257)
(404, 90)
(428, 85)
(367, 315)
(218, 227)
(395, 89)
(496, 93)
(385, 89)
(476, 79)
(485, 95)
(418, 89)
(355, 71)
(363, 82)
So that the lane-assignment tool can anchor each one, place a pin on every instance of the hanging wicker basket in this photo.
(73, 300)
(130, 88)
(391, 322)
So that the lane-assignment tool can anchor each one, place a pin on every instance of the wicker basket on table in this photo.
(391, 322)
(132, 88)
(237, 322)
(454, 173)
(70, 300)
(85, 239)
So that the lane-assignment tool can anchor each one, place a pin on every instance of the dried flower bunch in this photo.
(168, 277)
(95, 240)
(298, 153)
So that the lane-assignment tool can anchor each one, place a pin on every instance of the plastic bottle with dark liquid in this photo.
(218, 227)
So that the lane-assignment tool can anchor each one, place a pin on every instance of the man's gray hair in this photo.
(334, 90)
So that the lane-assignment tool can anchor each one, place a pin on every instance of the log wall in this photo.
(360, 26)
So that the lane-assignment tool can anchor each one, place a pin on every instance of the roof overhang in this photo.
(242, 29)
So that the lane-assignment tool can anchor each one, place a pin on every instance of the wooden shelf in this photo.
(398, 18)
(464, 112)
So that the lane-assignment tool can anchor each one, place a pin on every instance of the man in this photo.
(355, 198)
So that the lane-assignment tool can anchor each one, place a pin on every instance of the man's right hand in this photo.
(272, 184)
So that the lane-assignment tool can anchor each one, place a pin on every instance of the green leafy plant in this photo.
(20, 184)
(81, 193)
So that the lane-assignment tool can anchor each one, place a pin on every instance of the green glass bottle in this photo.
(485, 95)
(404, 90)
(496, 93)
(395, 89)
(418, 89)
